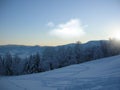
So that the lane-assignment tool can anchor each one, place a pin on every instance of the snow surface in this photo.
(102, 74)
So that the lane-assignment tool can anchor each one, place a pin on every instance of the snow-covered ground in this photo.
(102, 74)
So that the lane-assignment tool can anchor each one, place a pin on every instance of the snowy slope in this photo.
(102, 74)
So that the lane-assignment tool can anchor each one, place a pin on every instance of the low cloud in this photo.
(72, 29)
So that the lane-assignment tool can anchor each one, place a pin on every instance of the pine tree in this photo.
(8, 64)
(32, 64)
(16, 68)
(77, 50)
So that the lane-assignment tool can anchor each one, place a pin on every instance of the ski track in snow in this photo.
(102, 74)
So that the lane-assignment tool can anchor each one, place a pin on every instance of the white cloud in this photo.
(50, 24)
(72, 29)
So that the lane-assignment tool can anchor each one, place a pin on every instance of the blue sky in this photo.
(56, 22)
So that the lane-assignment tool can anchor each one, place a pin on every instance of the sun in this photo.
(116, 35)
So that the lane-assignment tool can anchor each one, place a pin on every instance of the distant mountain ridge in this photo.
(24, 50)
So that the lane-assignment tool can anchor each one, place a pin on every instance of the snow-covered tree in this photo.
(2, 68)
(49, 57)
(97, 52)
(8, 64)
(61, 56)
(77, 51)
(114, 47)
(32, 64)
(16, 66)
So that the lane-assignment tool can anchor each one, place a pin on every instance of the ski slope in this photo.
(101, 74)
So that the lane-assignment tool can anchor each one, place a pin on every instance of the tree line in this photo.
(57, 57)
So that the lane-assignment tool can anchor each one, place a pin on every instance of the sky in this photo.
(58, 22)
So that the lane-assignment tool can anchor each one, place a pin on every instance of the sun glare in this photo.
(116, 35)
